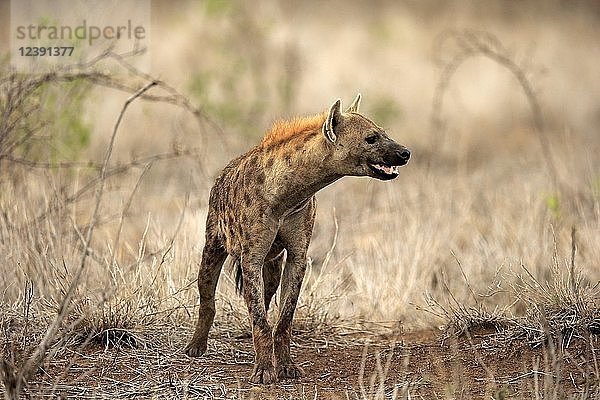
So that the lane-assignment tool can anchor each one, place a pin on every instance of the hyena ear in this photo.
(355, 105)
(332, 121)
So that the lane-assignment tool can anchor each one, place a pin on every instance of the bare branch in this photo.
(38, 355)
(471, 44)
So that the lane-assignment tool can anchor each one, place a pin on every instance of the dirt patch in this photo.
(418, 364)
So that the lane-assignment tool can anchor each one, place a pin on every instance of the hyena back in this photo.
(263, 205)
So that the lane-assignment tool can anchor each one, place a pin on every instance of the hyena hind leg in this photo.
(213, 257)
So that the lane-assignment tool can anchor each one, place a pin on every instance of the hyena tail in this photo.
(239, 280)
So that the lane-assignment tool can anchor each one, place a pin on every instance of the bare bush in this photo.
(23, 125)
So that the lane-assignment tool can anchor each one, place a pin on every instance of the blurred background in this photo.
(248, 64)
(284, 59)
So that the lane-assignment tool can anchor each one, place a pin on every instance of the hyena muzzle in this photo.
(262, 210)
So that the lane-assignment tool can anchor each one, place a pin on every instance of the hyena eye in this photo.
(371, 138)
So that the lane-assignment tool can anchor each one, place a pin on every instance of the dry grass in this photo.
(477, 234)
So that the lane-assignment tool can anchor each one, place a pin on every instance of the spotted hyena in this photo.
(262, 210)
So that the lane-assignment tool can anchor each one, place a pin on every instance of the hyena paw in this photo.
(289, 371)
(195, 350)
(263, 374)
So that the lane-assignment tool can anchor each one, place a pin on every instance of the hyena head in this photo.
(359, 147)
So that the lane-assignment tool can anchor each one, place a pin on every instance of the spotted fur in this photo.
(262, 211)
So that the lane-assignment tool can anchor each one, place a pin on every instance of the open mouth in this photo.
(385, 172)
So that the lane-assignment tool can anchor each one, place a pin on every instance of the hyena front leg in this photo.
(296, 234)
(253, 257)
(293, 274)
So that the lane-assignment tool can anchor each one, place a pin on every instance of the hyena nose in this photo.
(405, 154)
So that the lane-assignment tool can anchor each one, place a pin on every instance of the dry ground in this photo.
(421, 364)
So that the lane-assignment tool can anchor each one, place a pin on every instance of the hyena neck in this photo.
(305, 170)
